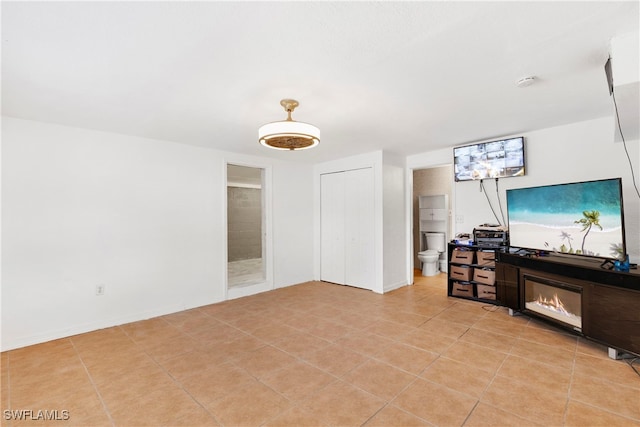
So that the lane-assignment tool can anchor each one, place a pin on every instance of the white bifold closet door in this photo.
(347, 228)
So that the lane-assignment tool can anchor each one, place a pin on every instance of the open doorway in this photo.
(433, 183)
(246, 248)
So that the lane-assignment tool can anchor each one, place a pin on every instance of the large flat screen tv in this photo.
(495, 159)
(581, 218)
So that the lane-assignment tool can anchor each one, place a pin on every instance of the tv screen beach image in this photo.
(580, 218)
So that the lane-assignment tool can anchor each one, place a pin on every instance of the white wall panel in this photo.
(332, 228)
(395, 238)
(144, 217)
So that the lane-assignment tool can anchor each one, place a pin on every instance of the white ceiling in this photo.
(406, 77)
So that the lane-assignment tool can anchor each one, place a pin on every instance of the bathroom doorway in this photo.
(429, 182)
(246, 225)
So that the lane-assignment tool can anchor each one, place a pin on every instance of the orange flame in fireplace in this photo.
(554, 304)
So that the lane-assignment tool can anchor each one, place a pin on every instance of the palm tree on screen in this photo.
(588, 220)
(566, 236)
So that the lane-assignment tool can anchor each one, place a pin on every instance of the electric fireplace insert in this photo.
(557, 302)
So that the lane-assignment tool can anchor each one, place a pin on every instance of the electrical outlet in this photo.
(459, 219)
(100, 289)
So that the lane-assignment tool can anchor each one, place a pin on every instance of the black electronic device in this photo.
(495, 159)
(579, 218)
(609, 73)
(490, 235)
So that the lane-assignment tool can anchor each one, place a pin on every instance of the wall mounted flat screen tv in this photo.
(580, 218)
(495, 159)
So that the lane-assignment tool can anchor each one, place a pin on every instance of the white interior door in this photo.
(332, 228)
(359, 228)
(347, 228)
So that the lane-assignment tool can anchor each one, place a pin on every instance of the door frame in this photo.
(409, 169)
(267, 232)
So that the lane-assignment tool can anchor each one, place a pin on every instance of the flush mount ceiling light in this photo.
(289, 134)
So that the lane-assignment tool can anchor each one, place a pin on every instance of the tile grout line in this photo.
(175, 381)
(95, 387)
(470, 412)
(524, 334)
(571, 379)
(336, 378)
(299, 359)
(495, 375)
(599, 408)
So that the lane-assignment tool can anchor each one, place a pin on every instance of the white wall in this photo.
(146, 218)
(293, 221)
(624, 58)
(143, 217)
(576, 152)
(394, 217)
(625, 67)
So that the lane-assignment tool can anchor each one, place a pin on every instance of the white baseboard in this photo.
(19, 342)
(247, 290)
(394, 286)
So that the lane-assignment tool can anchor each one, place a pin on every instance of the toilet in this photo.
(430, 257)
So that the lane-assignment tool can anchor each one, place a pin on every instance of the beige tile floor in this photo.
(318, 354)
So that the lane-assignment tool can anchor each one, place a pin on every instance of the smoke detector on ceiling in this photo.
(526, 81)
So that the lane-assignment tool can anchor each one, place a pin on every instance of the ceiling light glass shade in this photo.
(289, 134)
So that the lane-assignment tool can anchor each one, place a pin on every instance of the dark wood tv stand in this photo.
(610, 299)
